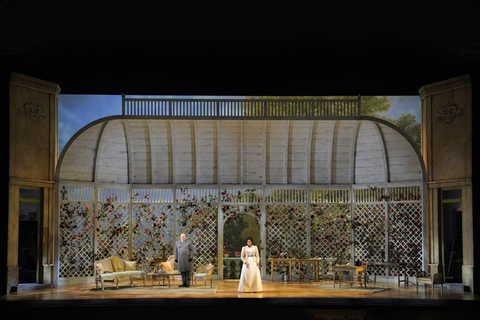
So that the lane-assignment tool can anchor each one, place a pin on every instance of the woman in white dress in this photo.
(250, 279)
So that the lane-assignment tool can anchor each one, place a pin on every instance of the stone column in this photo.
(33, 155)
(447, 153)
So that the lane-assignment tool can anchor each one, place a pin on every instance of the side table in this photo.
(161, 275)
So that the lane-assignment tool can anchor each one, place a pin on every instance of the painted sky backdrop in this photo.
(77, 111)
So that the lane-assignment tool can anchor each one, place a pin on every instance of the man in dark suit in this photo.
(184, 258)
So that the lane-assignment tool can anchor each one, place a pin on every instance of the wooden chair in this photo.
(361, 275)
(433, 278)
(204, 273)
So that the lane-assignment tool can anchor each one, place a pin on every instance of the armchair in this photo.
(204, 273)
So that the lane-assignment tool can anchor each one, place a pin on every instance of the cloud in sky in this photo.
(76, 111)
(404, 105)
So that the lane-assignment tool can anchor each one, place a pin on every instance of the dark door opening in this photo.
(452, 235)
(28, 235)
(236, 232)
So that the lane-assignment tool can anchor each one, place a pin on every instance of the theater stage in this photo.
(305, 300)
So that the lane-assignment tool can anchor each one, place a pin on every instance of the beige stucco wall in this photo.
(447, 153)
(33, 156)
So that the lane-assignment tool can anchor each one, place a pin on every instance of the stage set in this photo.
(353, 219)
(347, 214)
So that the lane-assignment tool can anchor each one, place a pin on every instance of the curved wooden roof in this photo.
(132, 150)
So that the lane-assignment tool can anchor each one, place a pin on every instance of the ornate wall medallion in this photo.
(449, 112)
(32, 110)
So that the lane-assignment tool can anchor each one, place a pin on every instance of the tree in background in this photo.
(372, 106)
(238, 230)
(410, 126)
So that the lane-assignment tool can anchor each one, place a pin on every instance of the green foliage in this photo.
(411, 127)
(372, 106)
(331, 226)
(238, 230)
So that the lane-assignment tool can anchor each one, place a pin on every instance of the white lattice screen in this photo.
(405, 227)
(197, 216)
(113, 224)
(76, 239)
(153, 223)
(343, 224)
(389, 226)
(76, 223)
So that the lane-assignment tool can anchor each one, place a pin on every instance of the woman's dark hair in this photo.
(249, 238)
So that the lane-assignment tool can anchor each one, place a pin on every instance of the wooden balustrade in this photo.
(265, 108)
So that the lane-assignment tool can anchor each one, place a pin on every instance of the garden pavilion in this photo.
(128, 184)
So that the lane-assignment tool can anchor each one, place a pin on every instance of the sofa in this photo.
(433, 278)
(113, 268)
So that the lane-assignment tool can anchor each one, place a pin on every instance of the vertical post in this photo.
(359, 107)
(263, 235)
(220, 235)
(309, 223)
(425, 227)
(175, 218)
(48, 238)
(467, 239)
(175, 215)
(352, 231)
(95, 221)
(123, 104)
(130, 223)
(13, 231)
(56, 235)
(387, 222)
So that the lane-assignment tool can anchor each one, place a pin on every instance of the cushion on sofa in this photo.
(167, 266)
(107, 265)
(117, 264)
(130, 265)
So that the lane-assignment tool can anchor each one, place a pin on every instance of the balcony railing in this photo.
(257, 108)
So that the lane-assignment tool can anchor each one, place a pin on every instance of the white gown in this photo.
(250, 278)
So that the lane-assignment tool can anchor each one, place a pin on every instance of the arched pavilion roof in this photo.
(175, 151)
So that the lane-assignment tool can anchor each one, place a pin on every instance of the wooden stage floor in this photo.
(279, 299)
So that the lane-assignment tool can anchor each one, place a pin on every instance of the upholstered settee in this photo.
(433, 278)
(113, 268)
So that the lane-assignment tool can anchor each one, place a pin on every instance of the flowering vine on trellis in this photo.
(150, 226)
(245, 200)
(405, 226)
(113, 224)
(331, 226)
(76, 225)
(197, 216)
(404, 229)
(87, 233)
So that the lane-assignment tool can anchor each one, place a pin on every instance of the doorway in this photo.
(28, 235)
(452, 234)
(236, 232)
